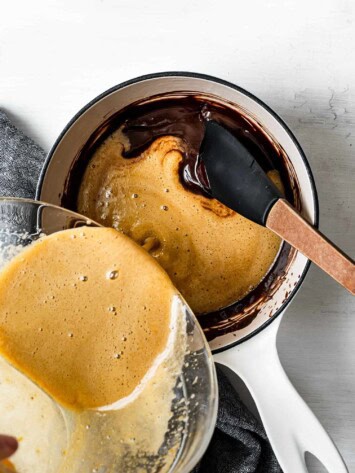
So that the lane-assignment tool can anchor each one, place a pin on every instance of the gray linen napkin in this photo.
(21, 160)
(239, 443)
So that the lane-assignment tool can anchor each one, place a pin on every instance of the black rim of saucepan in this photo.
(244, 92)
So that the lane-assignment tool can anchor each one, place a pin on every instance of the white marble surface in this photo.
(298, 56)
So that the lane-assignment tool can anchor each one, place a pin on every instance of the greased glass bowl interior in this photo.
(30, 414)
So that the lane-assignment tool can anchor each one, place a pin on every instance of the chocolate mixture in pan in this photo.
(144, 178)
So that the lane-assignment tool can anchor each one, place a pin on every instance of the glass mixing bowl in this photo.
(36, 419)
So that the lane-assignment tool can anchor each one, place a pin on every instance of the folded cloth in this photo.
(239, 443)
(21, 160)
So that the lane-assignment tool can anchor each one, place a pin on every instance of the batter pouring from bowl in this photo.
(82, 320)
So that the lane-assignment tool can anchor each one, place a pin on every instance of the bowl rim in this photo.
(210, 78)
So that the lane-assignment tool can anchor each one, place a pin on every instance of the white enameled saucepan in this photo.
(250, 351)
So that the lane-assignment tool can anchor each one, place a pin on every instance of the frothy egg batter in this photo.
(87, 319)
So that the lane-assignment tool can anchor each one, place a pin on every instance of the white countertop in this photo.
(297, 56)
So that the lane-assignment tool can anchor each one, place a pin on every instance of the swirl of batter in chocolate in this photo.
(140, 173)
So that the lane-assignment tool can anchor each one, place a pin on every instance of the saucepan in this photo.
(244, 341)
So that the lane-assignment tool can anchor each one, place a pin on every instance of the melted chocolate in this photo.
(185, 118)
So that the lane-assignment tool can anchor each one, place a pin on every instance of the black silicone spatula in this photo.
(237, 180)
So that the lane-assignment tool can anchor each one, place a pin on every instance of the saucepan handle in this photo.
(291, 426)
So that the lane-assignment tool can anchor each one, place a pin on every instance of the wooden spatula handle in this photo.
(291, 227)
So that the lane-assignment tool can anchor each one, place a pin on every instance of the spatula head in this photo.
(235, 178)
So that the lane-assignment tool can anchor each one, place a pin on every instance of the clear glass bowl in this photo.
(33, 417)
